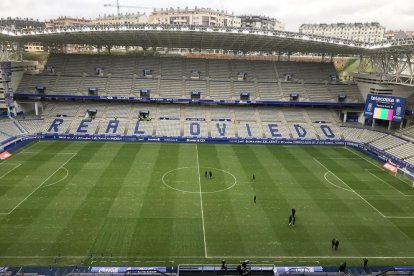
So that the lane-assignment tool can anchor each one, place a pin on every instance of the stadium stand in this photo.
(403, 151)
(171, 88)
(151, 85)
(264, 71)
(269, 91)
(168, 128)
(196, 129)
(141, 128)
(200, 65)
(367, 136)
(9, 129)
(318, 93)
(67, 85)
(307, 72)
(193, 121)
(219, 69)
(388, 142)
(32, 126)
(293, 88)
(408, 132)
(350, 91)
(244, 86)
(249, 130)
(172, 68)
(220, 90)
(119, 86)
(74, 74)
(410, 160)
(195, 85)
(218, 79)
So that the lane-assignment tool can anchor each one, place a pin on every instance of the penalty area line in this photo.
(388, 184)
(376, 165)
(352, 190)
(18, 165)
(38, 187)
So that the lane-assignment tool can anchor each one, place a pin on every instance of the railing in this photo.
(18, 33)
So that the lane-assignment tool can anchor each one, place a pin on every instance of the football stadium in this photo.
(247, 163)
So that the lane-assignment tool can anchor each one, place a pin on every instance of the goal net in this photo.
(407, 174)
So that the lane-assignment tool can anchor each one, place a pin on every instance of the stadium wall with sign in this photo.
(385, 107)
(380, 155)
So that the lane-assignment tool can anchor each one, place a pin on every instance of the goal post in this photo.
(400, 171)
(407, 174)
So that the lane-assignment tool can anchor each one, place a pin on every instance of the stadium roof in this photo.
(201, 37)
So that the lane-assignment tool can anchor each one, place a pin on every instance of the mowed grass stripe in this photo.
(366, 184)
(63, 200)
(170, 221)
(377, 231)
(344, 208)
(96, 185)
(223, 236)
(114, 201)
(16, 185)
(317, 219)
(272, 208)
(16, 237)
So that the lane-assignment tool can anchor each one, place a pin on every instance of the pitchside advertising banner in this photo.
(385, 107)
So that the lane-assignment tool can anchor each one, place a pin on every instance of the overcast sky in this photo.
(393, 14)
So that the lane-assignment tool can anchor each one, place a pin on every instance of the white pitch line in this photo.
(385, 182)
(340, 158)
(60, 180)
(201, 203)
(352, 190)
(311, 257)
(34, 152)
(376, 165)
(38, 187)
(209, 257)
(335, 184)
(18, 165)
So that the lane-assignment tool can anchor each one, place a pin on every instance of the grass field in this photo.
(151, 204)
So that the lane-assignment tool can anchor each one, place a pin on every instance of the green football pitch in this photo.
(118, 204)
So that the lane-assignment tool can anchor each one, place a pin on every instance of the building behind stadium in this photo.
(196, 16)
(362, 32)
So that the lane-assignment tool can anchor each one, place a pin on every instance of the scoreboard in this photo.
(385, 107)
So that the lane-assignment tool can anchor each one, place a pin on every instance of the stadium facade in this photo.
(363, 32)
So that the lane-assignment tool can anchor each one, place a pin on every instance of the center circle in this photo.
(197, 180)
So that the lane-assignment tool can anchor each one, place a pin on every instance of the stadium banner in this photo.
(383, 107)
(223, 140)
(390, 167)
(297, 269)
(185, 100)
(4, 155)
(123, 270)
(366, 149)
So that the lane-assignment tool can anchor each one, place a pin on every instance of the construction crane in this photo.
(118, 6)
